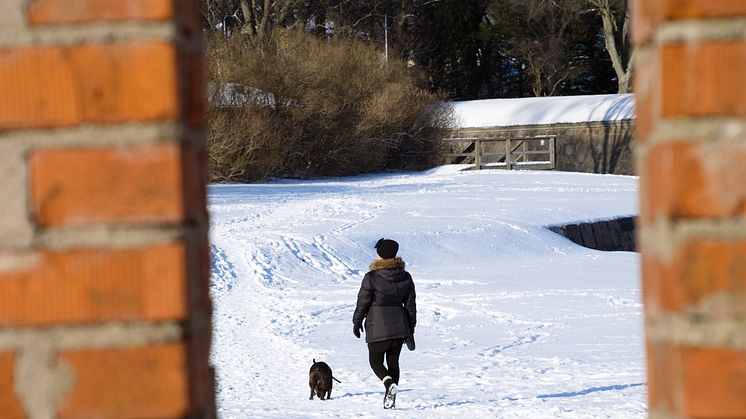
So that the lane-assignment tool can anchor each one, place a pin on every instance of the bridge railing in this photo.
(504, 153)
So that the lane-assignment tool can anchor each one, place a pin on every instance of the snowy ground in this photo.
(514, 321)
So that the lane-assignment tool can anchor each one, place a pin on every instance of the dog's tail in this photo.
(314, 360)
(336, 380)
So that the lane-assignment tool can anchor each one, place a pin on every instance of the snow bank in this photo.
(543, 110)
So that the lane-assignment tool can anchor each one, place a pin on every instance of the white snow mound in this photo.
(543, 110)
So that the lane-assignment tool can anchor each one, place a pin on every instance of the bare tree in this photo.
(255, 18)
(217, 13)
(262, 16)
(542, 38)
(616, 20)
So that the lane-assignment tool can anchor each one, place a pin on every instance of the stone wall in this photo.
(592, 147)
(609, 235)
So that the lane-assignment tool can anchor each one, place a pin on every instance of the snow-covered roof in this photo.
(543, 110)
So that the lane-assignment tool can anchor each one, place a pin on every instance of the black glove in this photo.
(356, 329)
(410, 343)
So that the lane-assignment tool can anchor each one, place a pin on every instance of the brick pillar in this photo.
(691, 96)
(104, 305)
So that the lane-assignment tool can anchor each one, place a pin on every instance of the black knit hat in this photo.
(386, 248)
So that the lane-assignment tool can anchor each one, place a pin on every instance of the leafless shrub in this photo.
(299, 106)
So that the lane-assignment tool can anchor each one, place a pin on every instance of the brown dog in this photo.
(320, 380)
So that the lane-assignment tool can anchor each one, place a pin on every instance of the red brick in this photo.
(10, 407)
(648, 14)
(663, 373)
(704, 79)
(144, 382)
(645, 17)
(198, 259)
(653, 276)
(698, 271)
(682, 180)
(647, 87)
(39, 88)
(713, 382)
(84, 186)
(75, 11)
(697, 382)
(693, 9)
(201, 373)
(63, 86)
(189, 18)
(194, 175)
(84, 286)
(707, 268)
(193, 87)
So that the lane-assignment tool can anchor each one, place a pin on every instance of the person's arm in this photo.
(410, 304)
(364, 301)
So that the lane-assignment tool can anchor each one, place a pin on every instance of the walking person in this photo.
(386, 302)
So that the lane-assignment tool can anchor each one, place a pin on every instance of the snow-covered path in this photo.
(514, 321)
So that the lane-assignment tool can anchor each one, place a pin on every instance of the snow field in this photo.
(514, 321)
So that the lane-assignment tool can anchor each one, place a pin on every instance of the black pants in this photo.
(390, 350)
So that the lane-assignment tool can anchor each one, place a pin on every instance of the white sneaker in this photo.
(389, 400)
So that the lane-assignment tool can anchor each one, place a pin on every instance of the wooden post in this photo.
(477, 154)
(552, 157)
(524, 148)
(507, 154)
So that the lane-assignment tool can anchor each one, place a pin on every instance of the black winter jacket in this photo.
(386, 301)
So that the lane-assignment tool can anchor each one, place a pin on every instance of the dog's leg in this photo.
(329, 394)
(311, 398)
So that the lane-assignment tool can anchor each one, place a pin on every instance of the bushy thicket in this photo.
(301, 106)
(476, 49)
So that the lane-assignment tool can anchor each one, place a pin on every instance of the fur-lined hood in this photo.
(396, 262)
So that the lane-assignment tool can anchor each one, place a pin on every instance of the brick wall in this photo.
(691, 128)
(104, 305)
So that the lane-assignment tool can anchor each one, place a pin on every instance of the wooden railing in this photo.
(514, 153)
